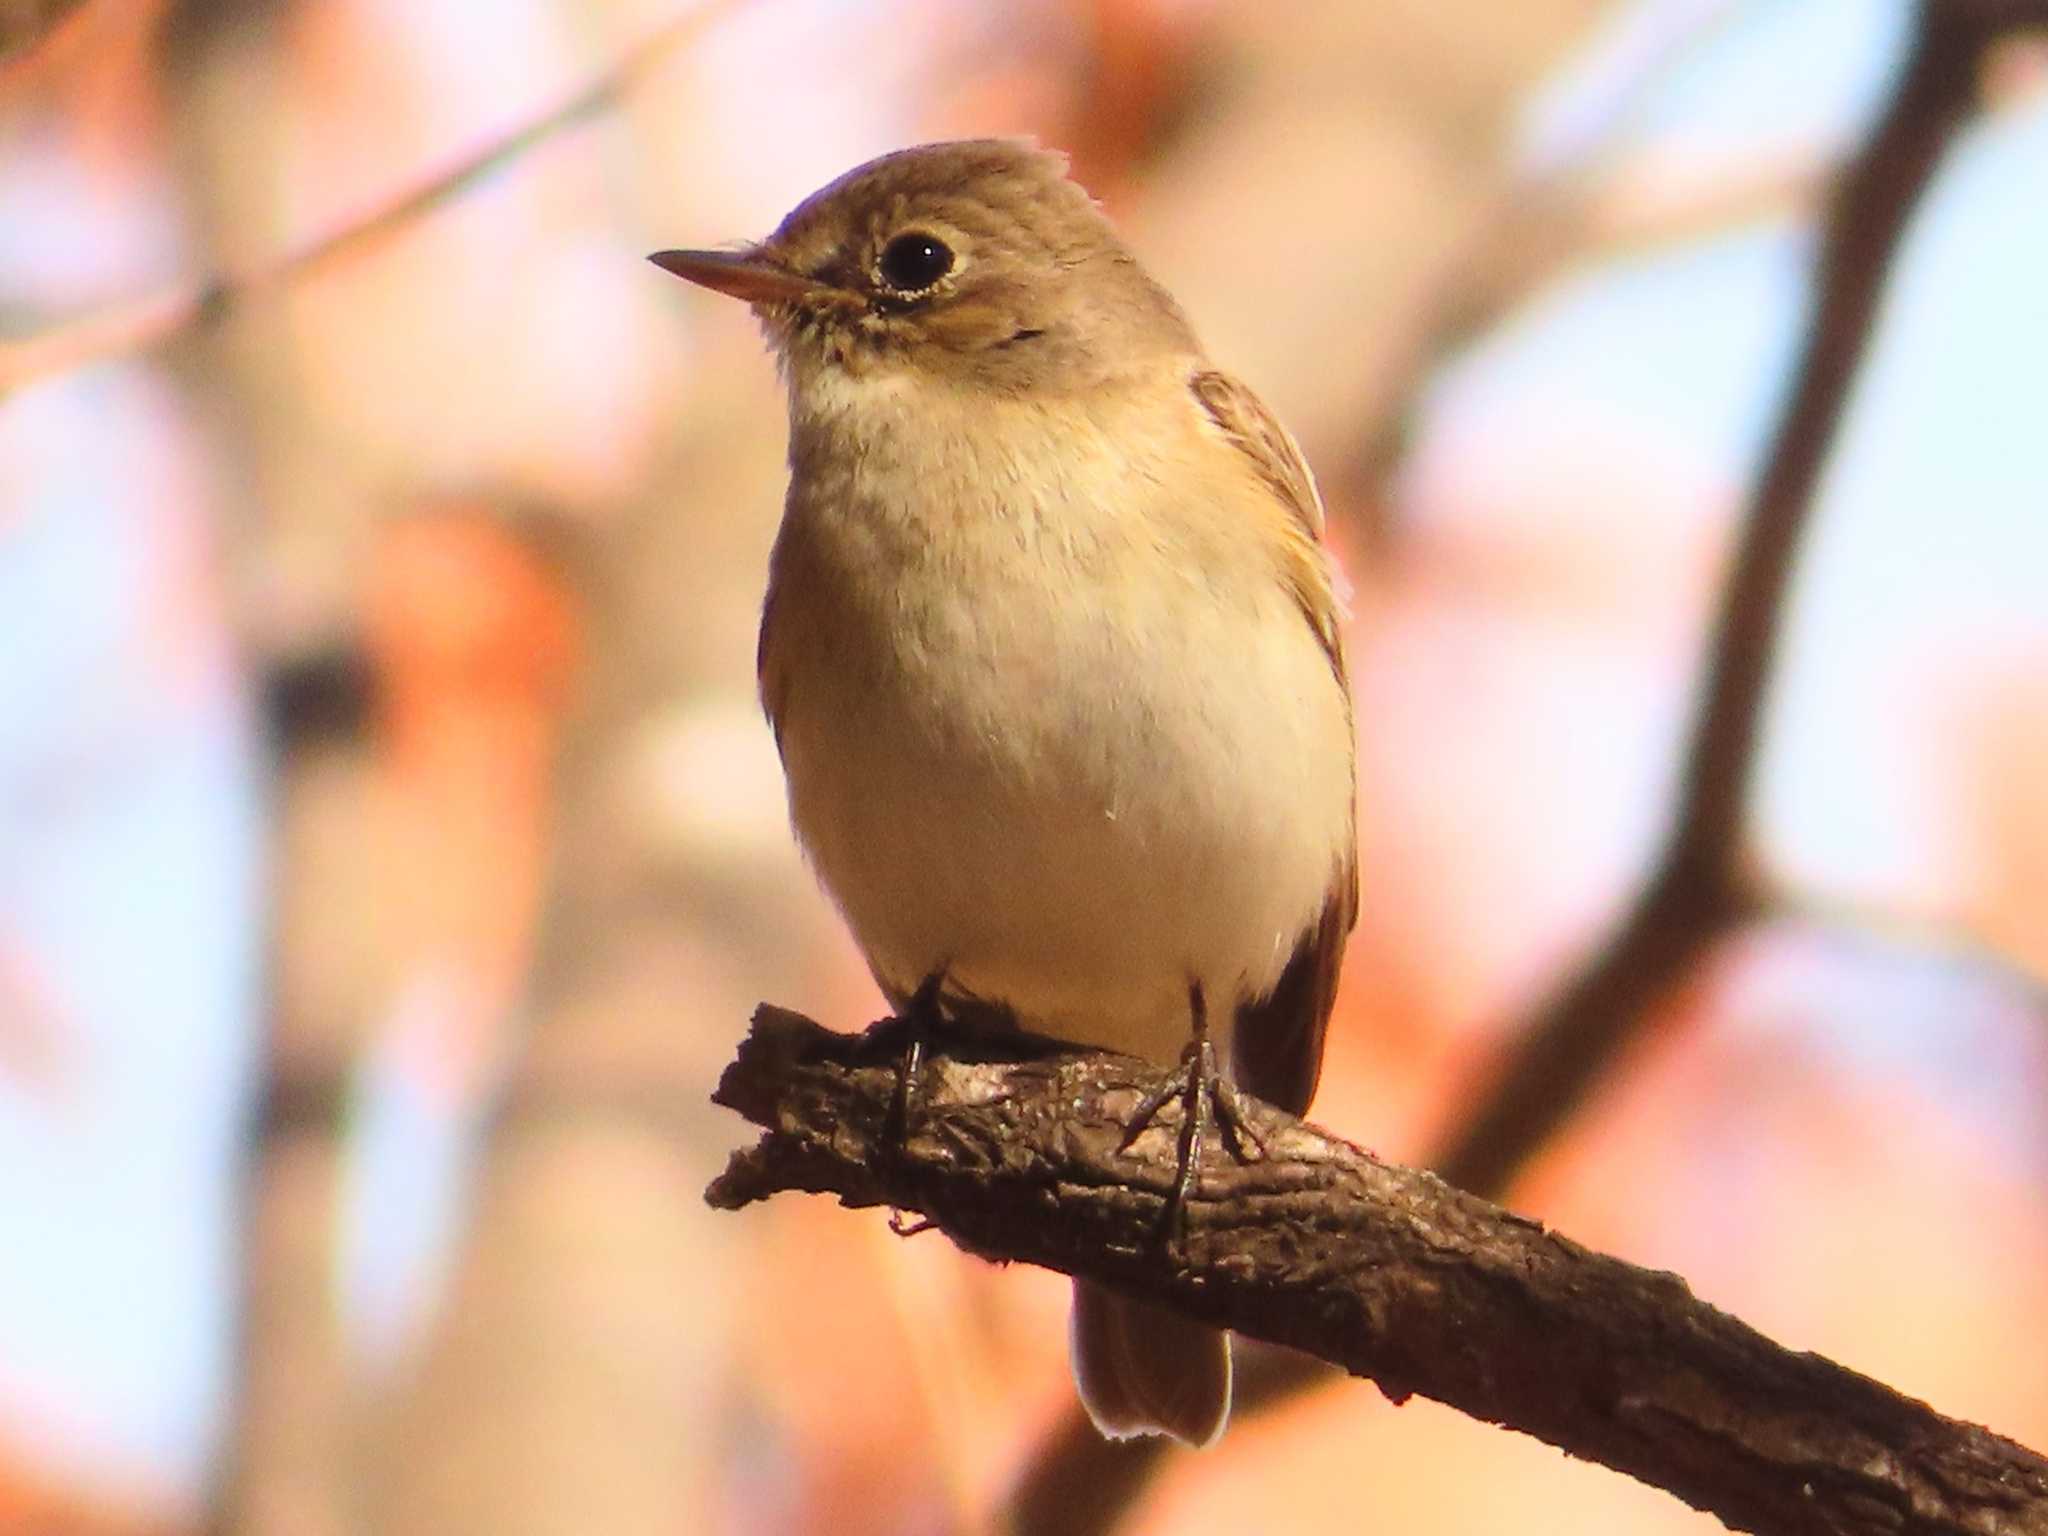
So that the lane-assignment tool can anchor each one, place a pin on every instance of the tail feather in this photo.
(1143, 1370)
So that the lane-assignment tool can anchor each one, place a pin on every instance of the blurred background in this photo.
(391, 851)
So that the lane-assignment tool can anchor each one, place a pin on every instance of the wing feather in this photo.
(1276, 458)
(1277, 1049)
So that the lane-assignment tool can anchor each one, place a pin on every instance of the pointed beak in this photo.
(746, 275)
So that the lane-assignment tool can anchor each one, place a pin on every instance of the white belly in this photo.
(1076, 799)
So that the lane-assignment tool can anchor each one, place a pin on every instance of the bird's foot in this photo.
(922, 1022)
(1202, 1090)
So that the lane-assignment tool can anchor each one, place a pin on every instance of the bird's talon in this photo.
(1246, 1144)
(1148, 1111)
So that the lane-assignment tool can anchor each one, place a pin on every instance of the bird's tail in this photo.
(1143, 1370)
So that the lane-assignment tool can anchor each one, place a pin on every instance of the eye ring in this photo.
(914, 262)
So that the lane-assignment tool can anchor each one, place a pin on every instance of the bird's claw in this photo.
(1201, 1090)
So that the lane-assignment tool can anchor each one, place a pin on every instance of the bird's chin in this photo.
(791, 331)
(827, 345)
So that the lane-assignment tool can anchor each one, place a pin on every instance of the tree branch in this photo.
(1696, 892)
(1012, 1149)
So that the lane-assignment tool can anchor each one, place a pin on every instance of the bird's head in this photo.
(978, 261)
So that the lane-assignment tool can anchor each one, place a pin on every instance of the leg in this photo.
(1200, 1087)
(922, 1021)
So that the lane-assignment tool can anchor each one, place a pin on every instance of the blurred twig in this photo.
(26, 26)
(155, 317)
(1532, 234)
(1536, 223)
(1697, 889)
(1017, 1152)
(1861, 924)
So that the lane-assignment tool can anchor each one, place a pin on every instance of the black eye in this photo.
(911, 263)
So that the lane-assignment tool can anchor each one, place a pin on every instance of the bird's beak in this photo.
(746, 275)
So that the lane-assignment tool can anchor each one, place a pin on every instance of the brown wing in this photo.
(767, 672)
(1277, 1050)
(774, 645)
(1276, 458)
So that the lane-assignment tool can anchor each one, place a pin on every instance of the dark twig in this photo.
(1388, 1272)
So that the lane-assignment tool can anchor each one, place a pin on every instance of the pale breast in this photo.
(1064, 733)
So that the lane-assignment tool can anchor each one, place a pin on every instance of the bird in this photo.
(1052, 649)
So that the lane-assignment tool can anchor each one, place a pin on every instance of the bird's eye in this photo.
(913, 262)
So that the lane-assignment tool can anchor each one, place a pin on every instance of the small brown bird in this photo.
(1051, 650)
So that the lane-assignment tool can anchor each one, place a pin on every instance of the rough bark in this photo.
(1013, 1149)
